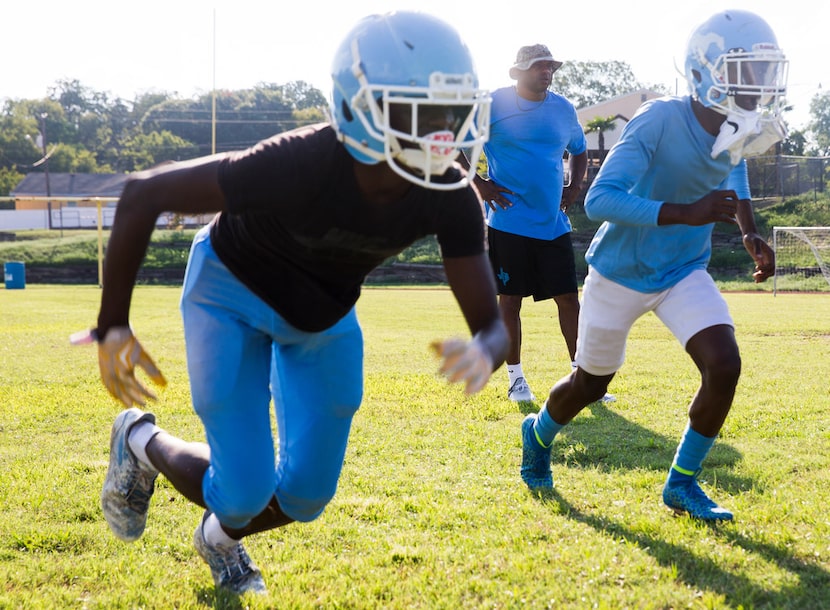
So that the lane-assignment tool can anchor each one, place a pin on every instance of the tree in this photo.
(9, 179)
(302, 95)
(600, 125)
(308, 116)
(243, 117)
(586, 83)
(18, 133)
(795, 144)
(820, 125)
(90, 131)
(142, 151)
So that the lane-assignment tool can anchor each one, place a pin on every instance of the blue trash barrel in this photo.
(15, 275)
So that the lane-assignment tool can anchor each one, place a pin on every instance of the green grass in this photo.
(430, 511)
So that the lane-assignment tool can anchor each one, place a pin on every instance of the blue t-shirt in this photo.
(663, 154)
(524, 154)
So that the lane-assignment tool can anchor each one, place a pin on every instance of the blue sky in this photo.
(188, 46)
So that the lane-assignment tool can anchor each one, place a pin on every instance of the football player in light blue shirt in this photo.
(677, 169)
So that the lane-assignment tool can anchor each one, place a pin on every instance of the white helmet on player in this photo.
(735, 53)
(394, 75)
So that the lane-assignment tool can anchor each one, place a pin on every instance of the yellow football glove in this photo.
(466, 361)
(118, 355)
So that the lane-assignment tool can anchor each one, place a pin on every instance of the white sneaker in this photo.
(231, 568)
(520, 391)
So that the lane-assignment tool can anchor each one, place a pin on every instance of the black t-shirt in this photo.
(298, 233)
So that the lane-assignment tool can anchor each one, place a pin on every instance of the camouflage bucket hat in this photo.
(529, 55)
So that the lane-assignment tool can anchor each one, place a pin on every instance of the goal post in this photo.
(802, 259)
(82, 212)
(86, 212)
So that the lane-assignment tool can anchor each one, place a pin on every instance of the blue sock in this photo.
(691, 452)
(545, 427)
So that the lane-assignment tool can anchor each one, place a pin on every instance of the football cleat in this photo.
(687, 497)
(129, 484)
(535, 458)
(231, 567)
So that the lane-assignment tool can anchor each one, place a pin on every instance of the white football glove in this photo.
(466, 361)
(118, 355)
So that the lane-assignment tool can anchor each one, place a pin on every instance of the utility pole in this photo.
(43, 116)
(213, 94)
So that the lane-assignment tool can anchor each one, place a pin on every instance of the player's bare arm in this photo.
(189, 188)
(471, 280)
(758, 248)
(185, 188)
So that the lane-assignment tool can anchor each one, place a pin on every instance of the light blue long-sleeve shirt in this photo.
(524, 154)
(663, 155)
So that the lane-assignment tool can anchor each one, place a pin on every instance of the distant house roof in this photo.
(70, 185)
(622, 108)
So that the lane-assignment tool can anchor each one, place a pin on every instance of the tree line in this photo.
(82, 130)
(85, 131)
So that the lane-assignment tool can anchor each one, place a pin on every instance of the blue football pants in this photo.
(241, 354)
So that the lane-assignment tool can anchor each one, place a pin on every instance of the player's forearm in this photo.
(130, 236)
(745, 216)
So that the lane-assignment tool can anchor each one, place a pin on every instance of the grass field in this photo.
(431, 512)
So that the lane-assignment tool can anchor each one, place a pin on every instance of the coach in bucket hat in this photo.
(534, 136)
(529, 55)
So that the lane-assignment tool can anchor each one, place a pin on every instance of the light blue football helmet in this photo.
(418, 62)
(736, 53)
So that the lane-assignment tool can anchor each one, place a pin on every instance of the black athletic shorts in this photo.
(526, 266)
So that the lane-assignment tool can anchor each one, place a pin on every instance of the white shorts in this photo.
(609, 310)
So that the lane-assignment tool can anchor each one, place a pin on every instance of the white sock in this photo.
(514, 371)
(140, 435)
(214, 534)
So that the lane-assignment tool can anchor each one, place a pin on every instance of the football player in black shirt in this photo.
(269, 295)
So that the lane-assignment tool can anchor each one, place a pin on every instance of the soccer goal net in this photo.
(802, 258)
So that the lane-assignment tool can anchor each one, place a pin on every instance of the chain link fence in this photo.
(787, 176)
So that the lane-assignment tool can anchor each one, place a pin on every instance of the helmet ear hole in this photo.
(696, 76)
(347, 112)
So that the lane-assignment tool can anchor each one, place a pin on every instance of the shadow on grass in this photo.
(601, 438)
(703, 573)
